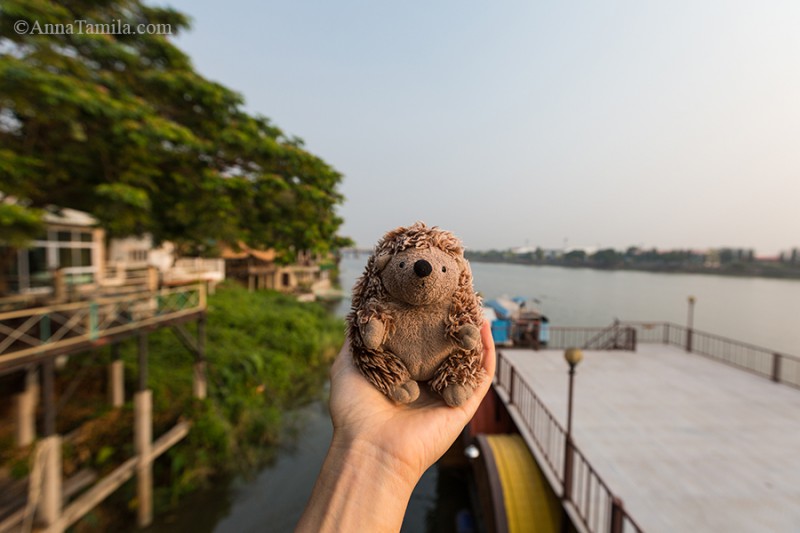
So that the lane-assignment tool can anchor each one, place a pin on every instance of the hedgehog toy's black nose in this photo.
(422, 268)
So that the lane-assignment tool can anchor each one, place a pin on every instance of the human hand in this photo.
(408, 437)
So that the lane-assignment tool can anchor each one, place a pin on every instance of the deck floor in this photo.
(689, 444)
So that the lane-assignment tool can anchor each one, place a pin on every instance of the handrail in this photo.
(44, 329)
(600, 335)
(78, 305)
(771, 364)
(619, 337)
(596, 506)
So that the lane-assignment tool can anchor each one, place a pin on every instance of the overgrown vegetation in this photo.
(267, 354)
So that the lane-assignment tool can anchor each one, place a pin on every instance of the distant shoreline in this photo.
(752, 272)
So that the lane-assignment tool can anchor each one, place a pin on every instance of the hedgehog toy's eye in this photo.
(402, 264)
(444, 269)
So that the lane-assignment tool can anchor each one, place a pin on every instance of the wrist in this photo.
(364, 454)
(361, 488)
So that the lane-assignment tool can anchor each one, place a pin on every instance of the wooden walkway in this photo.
(31, 339)
(688, 443)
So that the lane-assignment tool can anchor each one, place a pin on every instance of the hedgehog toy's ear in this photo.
(381, 261)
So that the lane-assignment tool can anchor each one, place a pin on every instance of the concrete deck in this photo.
(688, 443)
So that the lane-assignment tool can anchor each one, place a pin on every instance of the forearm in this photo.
(360, 488)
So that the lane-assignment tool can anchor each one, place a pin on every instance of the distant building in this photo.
(70, 259)
(71, 245)
(259, 269)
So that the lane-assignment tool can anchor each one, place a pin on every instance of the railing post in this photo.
(568, 459)
(666, 333)
(44, 328)
(511, 386)
(93, 321)
(776, 367)
(617, 515)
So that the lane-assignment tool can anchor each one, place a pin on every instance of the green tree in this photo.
(575, 257)
(123, 127)
(607, 258)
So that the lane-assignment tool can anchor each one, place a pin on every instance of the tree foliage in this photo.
(122, 126)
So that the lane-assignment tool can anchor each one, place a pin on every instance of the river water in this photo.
(760, 311)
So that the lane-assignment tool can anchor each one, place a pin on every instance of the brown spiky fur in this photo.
(371, 300)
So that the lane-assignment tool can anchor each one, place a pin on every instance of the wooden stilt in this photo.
(143, 443)
(143, 439)
(48, 397)
(25, 408)
(200, 366)
(50, 499)
(116, 378)
(200, 385)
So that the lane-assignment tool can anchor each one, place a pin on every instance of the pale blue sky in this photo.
(605, 123)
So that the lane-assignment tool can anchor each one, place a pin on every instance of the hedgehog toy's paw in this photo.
(455, 395)
(405, 392)
(469, 335)
(372, 334)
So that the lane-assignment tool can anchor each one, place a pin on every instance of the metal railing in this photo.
(41, 329)
(596, 506)
(771, 364)
(614, 337)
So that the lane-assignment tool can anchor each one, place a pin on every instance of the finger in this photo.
(489, 355)
(488, 363)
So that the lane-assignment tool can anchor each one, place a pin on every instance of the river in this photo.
(760, 311)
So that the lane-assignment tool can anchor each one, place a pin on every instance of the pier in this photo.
(31, 341)
(685, 431)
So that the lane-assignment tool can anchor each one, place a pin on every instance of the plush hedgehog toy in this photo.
(416, 317)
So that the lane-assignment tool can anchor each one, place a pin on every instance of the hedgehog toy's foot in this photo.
(405, 392)
(455, 395)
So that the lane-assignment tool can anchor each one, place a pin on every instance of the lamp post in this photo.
(573, 356)
(690, 324)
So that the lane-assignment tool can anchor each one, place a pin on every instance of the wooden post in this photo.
(50, 499)
(143, 444)
(48, 397)
(152, 279)
(25, 407)
(143, 439)
(116, 378)
(200, 367)
(59, 286)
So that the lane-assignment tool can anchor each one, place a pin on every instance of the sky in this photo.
(604, 124)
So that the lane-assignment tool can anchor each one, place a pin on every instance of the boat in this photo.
(516, 322)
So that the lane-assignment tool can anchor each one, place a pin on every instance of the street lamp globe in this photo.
(573, 356)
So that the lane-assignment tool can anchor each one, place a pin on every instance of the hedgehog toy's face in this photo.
(421, 276)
